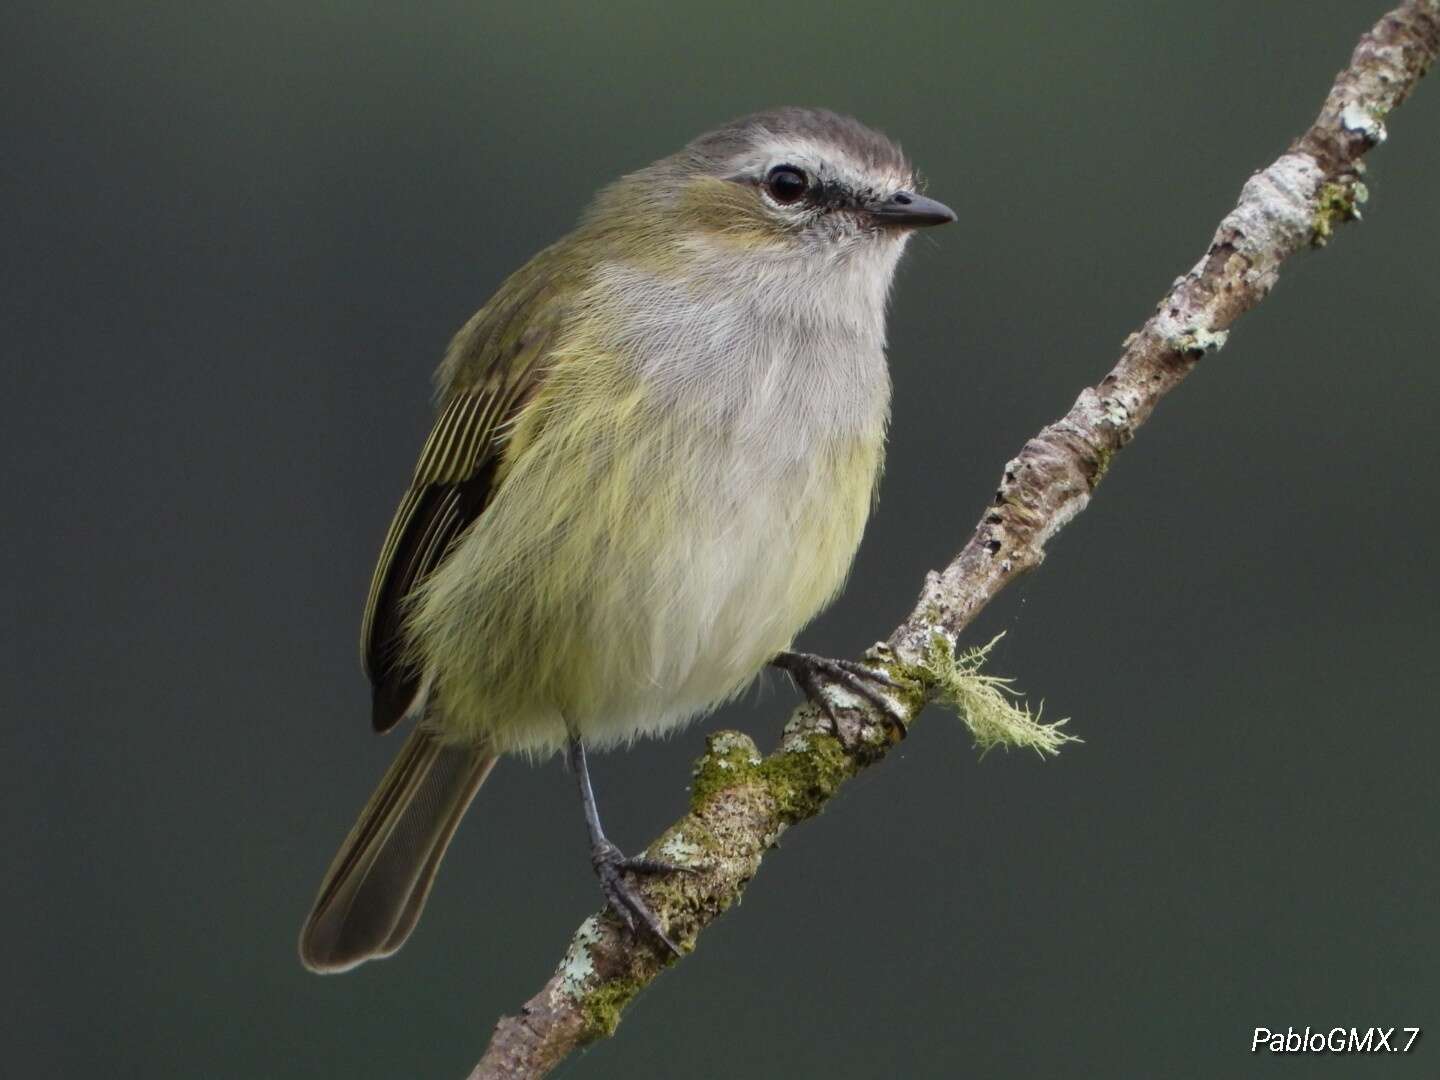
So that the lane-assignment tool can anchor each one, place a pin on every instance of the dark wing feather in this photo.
(500, 357)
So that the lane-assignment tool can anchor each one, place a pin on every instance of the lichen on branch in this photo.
(993, 711)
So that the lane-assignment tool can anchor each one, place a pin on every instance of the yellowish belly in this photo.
(633, 572)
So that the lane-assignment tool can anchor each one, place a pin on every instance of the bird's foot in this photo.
(812, 673)
(611, 865)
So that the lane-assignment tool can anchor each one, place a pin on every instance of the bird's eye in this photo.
(786, 184)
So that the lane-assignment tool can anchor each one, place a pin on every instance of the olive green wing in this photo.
(499, 360)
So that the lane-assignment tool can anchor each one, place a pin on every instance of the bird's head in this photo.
(782, 184)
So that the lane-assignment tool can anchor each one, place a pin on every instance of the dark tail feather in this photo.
(376, 887)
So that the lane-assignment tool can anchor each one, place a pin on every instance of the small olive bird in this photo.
(656, 449)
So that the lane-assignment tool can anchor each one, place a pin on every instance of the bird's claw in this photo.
(611, 866)
(811, 673)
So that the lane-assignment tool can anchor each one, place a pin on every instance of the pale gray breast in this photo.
(770, 355)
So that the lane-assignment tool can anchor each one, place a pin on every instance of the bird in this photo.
(655, 450)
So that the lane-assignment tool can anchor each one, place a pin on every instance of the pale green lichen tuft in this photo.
(991, 709)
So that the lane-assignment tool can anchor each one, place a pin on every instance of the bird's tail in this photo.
(374, 891)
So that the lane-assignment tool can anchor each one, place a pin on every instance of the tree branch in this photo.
(740, 801)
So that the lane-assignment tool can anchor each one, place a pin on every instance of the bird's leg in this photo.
(610, 862)
(811, 673)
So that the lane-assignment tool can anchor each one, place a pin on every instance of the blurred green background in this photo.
(236, 239)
